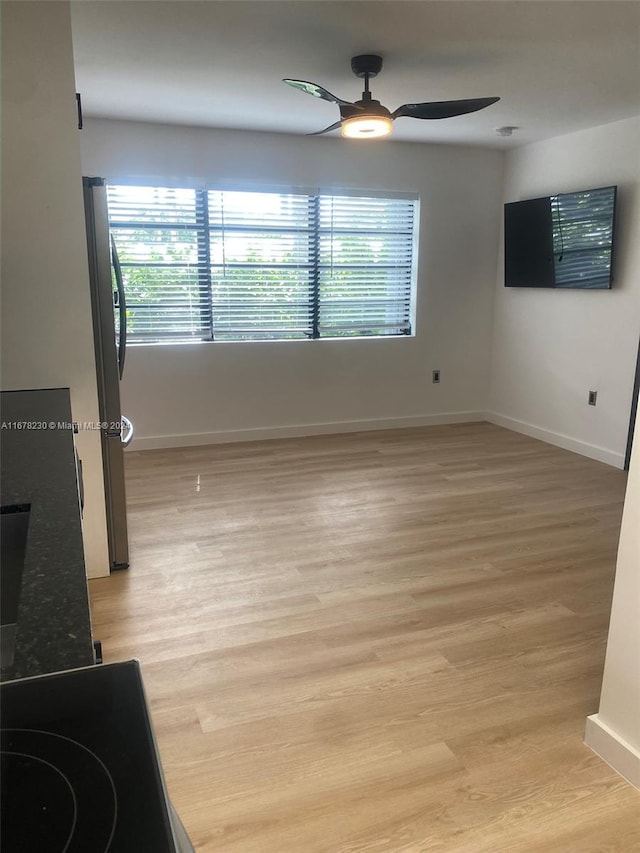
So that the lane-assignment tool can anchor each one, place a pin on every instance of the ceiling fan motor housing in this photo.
(372, 107)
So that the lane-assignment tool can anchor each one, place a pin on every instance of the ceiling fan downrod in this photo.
(366, 66)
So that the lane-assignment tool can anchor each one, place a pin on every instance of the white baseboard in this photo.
(262, 433)
(617, 753)
(593, 451)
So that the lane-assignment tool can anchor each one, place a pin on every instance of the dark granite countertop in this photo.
(38, 468)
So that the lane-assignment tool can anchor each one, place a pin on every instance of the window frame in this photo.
(203, 229)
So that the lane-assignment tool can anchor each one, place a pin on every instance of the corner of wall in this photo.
(612, 749)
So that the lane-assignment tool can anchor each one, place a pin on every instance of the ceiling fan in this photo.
(368, 118)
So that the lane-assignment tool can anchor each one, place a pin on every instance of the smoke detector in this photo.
(506, 130)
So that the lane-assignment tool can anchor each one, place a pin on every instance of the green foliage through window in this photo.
(232, 266)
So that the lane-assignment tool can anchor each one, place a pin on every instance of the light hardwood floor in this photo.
(384, 641)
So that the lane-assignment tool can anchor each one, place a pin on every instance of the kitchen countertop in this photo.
(38, 468)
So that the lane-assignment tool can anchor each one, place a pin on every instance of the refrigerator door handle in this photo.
(122, 308)
(126, 438)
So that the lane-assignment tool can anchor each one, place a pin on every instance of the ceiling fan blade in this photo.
(315, 90)
(443, 109)
(326, 130)
(346, 111)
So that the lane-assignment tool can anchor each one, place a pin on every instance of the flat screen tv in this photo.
(562, 241)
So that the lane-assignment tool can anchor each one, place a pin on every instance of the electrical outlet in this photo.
(435, 377)
(593, 396)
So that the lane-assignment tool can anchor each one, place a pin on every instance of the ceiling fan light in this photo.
(366, 127)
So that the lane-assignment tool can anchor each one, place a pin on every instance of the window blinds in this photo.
(225, 265)
(159, 234)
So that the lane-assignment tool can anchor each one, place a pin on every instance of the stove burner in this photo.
(86, 734)
(44, 799)
(57, 795)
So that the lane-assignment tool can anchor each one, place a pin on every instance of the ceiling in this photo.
(558, 66)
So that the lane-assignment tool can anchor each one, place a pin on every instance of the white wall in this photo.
(551, 347)
(46, 312)
(614, 732)
(205, 392)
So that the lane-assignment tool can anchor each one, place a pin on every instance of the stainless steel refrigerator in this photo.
(107, 297)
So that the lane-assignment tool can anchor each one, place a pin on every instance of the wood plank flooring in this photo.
(384, 641)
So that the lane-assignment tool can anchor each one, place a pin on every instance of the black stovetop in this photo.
(80, 771)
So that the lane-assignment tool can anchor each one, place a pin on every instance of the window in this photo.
(582, 227)
(232, 266)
